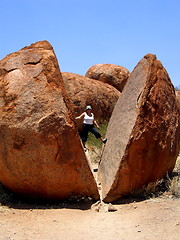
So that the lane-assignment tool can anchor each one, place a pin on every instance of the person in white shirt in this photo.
(88, 126)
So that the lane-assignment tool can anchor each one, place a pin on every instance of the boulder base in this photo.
(143, 133)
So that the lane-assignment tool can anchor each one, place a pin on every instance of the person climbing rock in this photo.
(89, 126)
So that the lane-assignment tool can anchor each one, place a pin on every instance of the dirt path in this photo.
(152, 219)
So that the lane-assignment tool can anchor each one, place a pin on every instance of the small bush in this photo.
(95, 146)
(170, 184)
(93, 141)
(175, 180)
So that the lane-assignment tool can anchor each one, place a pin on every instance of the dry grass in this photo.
(95, 146)
(167, 187)
(175, 181)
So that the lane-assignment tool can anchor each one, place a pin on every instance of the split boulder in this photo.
(143, 133)
(112, 74)
(40, 151)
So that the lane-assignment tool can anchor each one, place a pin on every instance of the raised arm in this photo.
(81, 116)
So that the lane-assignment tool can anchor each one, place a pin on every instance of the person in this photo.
(89, 124)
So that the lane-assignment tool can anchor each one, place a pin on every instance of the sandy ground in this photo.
(153, 219)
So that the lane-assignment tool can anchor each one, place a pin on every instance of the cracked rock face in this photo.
(84, 91)
(112, 74)
(40, 150)
(143, 133)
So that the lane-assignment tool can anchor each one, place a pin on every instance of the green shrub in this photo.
(92, 141)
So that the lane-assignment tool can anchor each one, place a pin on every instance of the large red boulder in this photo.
(112, 74)
(143, 133)
(40, 151)
(85, 91)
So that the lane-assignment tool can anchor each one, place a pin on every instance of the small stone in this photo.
(95, 206)
(111, 208)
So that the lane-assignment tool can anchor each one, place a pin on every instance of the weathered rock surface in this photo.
(112, 74)
(84, 91)
(143, 133)
(40, 151)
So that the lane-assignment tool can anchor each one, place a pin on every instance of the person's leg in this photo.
(84, 135)
(84, 144)
(97, 134)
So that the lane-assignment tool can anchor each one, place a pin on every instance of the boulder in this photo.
(143, 133)
(112, 74)
(40, 151)
(84, 91)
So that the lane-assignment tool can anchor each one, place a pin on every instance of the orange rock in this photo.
(143, 133)
(40, 151)
(85, 91)
(112, 74)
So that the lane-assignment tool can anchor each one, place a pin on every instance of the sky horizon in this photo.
(85, 33)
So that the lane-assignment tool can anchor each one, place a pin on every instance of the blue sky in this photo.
(88, 32)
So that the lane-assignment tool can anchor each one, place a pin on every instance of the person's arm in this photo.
(96, 124)
(81, 116)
